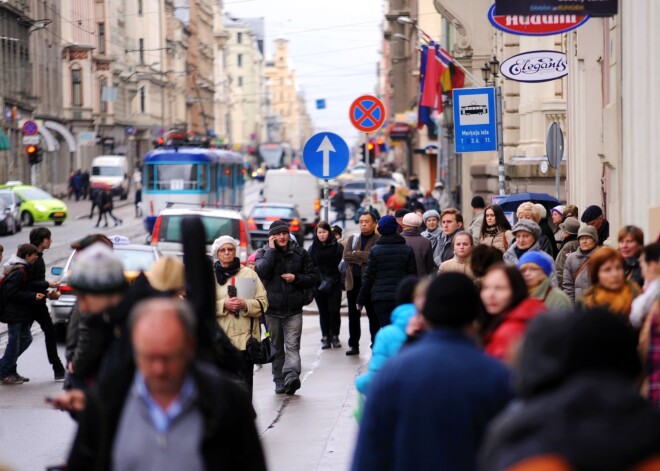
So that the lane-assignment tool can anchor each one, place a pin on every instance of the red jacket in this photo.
(498, 343)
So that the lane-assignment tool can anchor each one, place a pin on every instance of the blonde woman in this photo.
(463, 245)
(238, 305)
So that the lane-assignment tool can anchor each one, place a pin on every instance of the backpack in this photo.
(3, 297)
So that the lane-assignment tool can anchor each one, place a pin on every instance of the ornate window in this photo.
(76, 86)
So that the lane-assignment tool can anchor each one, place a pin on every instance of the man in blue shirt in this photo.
(428, 408)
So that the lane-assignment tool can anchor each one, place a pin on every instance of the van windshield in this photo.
(105, 171)
(170, 228)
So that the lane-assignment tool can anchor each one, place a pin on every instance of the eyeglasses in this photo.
(227, 250)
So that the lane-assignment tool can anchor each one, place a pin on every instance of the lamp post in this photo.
(490, 73)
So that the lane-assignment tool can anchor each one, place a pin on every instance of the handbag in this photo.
(260, 351)
(327, 285)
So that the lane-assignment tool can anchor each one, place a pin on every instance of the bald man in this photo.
(172, 412)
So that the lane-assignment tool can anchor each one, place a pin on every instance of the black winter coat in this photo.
(326, 258)
(19, 300)
(286, 299)
(37, 275)
(546, 231)
(229, 438)
(389, 261)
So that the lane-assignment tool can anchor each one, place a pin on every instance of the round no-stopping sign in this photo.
(367, 113)
(30, 128)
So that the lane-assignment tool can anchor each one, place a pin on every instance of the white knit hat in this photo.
(219, 242)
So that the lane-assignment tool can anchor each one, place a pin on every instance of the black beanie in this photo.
(478, 202)
(278, 227)
(452, 300)
(591, 213)
(399, 213)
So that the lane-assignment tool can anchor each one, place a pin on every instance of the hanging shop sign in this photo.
(535, 25)
(557, 7)
(535, 66)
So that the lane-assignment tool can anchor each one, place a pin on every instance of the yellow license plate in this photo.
(58, 215)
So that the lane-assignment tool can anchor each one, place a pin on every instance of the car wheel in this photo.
(350, 210)
(27, 219)
(58, 223)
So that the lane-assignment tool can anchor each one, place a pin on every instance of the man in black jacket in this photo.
(40, 237)
(389, 262)
(209, 423)
(19, 302)
(287, 272)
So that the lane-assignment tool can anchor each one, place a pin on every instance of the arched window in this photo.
(76, 86)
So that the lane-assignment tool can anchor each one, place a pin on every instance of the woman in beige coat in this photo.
(495, 229)
(237, 314)
(463, 245)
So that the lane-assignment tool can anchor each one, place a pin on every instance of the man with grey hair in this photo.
(170, 413)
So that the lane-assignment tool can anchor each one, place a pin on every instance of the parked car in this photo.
(135, 258)
(166, 235)
(10, 216)
(355, 190)
(262, 216)
(37, 205)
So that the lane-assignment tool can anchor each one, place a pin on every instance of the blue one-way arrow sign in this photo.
(326, 155)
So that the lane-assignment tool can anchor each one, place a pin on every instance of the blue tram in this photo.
(191, 176)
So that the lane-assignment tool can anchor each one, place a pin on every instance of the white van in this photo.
(297, 187)
(111, 170)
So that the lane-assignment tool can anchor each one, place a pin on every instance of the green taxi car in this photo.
(38, 205)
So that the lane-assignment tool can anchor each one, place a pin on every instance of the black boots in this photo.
(325, 343)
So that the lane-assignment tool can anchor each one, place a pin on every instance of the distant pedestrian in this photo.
(400, 213)
(478, 207)
(557, 216)
(650, 262)
(237, 311)
(508, 310)
(430, 203)
(460, 263)
(593, 216)
(529, 211)
(40, 237)
(287, 272)
(96, 194)
(496, 229)
(433, 232)
(421, 246)
(546, 230)
(576, 269)
(106, 209)
(536, 269)
(452, 223)
(339, 203)
(569, 229)
(389, 261)
(429, 406)
(138, 200)
(356, 255)
(85, 184)
(572, 212)
(326, 254)
(609, 288)
(631, 243)
(579, 406)
(399, 199)
(19, 302)
(78, 184)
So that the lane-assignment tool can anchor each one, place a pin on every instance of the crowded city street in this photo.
(384, 235)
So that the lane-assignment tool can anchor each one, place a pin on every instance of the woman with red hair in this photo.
(609, 288)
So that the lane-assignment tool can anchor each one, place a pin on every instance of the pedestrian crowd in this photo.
(486, 339)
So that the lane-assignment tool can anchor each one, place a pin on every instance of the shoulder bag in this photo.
(260, 351)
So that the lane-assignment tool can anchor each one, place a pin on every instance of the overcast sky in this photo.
(333, 46)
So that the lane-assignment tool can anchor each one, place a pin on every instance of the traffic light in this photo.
(34, 154)
(363, 155)
(372, 152)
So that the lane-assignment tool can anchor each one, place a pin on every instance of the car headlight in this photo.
(40, 207)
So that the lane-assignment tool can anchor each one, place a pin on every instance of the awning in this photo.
(4, 141)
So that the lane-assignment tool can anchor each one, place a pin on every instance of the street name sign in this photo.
(536, 25)
(475, 123)
(535, 66)
(367, 113)
(326, 155)
(31, 140)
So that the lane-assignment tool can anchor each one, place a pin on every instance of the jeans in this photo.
(19, 339)
(285, 333)
(354, 329)
(42, 317)
(329, 305)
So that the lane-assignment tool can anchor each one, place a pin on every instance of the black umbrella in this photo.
(511, 203)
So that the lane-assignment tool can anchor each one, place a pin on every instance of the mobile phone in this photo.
(49, 399)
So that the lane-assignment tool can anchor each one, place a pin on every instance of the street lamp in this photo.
(488, 71)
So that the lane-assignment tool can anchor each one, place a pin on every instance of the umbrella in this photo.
(511, 203)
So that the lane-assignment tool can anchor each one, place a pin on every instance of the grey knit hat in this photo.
(588, 231)
(570, 226)
(97, 270)
(431, 213)
(527, 225)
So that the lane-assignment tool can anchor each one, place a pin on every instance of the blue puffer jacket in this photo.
(388, 341)
(389, 261)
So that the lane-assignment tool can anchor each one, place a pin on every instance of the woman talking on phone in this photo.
(240, 300)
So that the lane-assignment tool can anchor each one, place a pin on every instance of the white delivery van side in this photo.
(111, 170)
(297, 187)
